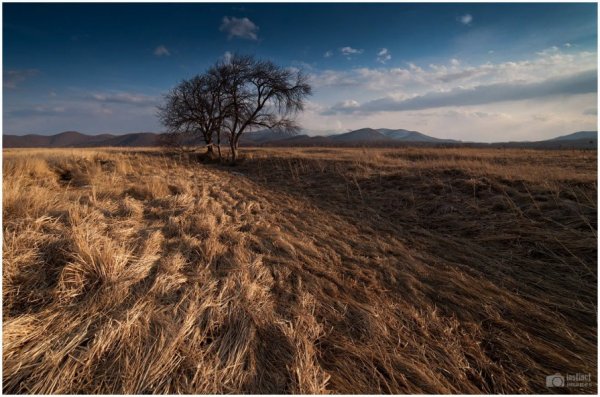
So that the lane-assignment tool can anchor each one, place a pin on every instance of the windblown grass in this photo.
(299, 271)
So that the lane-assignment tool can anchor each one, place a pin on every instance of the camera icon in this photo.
(556, 380)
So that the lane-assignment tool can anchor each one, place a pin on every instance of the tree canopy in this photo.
(236, 95)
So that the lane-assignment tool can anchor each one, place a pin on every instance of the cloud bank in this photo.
(550, 93)
(582, 83)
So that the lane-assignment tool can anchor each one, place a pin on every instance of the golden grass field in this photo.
(299, 271)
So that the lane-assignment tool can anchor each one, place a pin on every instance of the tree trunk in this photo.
(233, 154)
(219, 147)
(233, 145)
(234, 148)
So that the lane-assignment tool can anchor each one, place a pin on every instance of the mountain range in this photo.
(76, 139)
(381, 137)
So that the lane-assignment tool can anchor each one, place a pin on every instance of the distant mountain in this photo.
(76, 139)
(576, 140)
(138, 139)
(550, 144)
(263, 136)
(382, 137)
(411, 136)
(64, 139)
(362, 135)
(577, 135)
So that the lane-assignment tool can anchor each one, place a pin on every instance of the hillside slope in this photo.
(577, 136)
(411, 136)
(362, 135)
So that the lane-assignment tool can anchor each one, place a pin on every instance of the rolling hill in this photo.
(361, 137)
(76, 139)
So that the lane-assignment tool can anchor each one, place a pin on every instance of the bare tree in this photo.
(235, 96)
(257, 94)
(191, 110)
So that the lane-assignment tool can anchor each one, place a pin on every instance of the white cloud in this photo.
(161, 51)
(568, 45)
(242, 28)
(454, 62)
(328, 54)
(125, 98)
(227, 56)
(465, 19)
(383, 55)
(12, 78)
(333, 79)
(348, 52)
(44, 110)
(346, 105)
(301, 65)
(548, 51)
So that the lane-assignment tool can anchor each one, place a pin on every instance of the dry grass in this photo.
(299, 271)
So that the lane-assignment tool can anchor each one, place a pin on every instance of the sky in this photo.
(476, 72)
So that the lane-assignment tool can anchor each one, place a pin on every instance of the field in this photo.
(320, 270)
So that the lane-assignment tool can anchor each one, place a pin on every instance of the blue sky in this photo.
(103, 67)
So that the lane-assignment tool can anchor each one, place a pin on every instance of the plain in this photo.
(314, 270)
